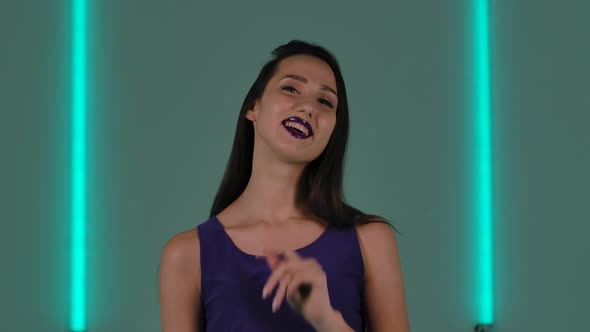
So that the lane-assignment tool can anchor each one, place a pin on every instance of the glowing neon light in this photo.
(483, 165)
(78, 180)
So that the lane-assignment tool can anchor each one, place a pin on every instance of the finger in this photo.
(274, 278)
(280, 294)
(272, 261)
(274, 258)
(299, 283)
(291, 265)
(293, 296)
(291, 254)
(281, 269)
(294, 256)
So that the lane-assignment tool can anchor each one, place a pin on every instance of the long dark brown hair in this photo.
(319, 190)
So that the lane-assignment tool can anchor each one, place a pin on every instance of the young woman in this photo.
(279, 231)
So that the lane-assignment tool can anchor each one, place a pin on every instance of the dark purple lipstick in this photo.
(297, 126)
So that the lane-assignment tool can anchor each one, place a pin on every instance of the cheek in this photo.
(330, 123)
(328, 127)
(275, 106)
(271, 105)
(278, 98)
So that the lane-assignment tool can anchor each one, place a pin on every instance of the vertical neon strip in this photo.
(78, 180)
(483, 164)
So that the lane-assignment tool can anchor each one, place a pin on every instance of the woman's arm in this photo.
(180, 282)
(384, 288)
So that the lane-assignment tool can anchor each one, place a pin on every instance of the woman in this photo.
(279, 230)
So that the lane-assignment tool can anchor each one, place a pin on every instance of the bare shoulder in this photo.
(180, 283)
(182, 252)
(384, 286)
(376, 239)
(374, 229)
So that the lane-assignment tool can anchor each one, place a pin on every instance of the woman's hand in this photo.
(290, 271)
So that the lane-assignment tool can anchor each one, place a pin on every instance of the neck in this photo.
(270, 194)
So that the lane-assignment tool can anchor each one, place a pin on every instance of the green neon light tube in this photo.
(78, 169)
(483, 172)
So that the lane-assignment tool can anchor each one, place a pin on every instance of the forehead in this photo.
(310, 67)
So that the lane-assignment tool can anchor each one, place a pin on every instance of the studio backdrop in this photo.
(468, 132)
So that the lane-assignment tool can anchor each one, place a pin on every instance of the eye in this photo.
(329, 104)
(288, 88)
(323, 101)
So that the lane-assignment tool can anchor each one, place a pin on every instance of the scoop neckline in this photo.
(239, 250)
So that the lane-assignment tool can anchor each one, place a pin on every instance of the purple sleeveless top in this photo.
(232, 282)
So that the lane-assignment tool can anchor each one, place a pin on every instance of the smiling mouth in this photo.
(298, 127)
(296, 132)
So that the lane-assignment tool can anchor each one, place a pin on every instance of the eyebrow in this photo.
(304, 80)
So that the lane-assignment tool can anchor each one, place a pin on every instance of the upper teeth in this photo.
(296, 125)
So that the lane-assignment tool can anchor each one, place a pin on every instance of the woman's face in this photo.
(303, 86)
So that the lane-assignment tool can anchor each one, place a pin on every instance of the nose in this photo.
(307, 108)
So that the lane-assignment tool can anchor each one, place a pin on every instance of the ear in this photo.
(252, 113)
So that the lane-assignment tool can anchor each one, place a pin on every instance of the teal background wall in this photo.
(165, 83)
